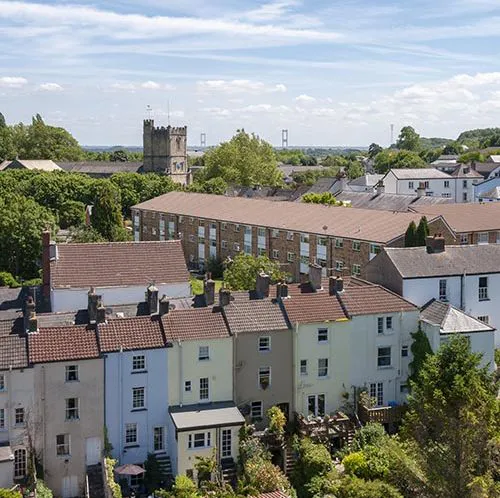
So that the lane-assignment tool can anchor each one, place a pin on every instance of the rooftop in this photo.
(12, 345)
(493, 194)
(103, 168)
(193, 324)
(76, 342)
(358, 224)
(465, 217)
(450, 319)
(43, 165)
(465, 171)
(367, 180)
(119, 264)
(416, 262)
(206, 415)
(418, 174)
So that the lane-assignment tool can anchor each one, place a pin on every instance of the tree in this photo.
(106, 213)
(410, 235)
(453, 418)
(184, 487)
(215, 186)
(71, 214)
(244, 160)
(277, 421)
(85, 235)
(453, 148)
(422, 232)
(7, 493)
(241, 272)
(390, 159)
(353, 487)
(7, 148)
(119, 156)
(153, 474)
(3, 123)
(326, 198)
(473, 156)
(354, 170)
(408, 139)
(420, 350)
(265, 477)
(21, 226)
(373, 150)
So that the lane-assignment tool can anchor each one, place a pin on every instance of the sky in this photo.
(331, 72)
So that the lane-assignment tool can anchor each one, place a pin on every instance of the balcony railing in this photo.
(381, 415)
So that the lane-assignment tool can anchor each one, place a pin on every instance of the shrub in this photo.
(184, 487)
(109, 465)
(7, 280)
(277, 420)
(355, 464)
(42, 491)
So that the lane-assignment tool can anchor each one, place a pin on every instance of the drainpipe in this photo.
(294, 366)
(44, 419)
(234, 365)
(181, 373)
(120, 390)
(9, 412)
(462, 290)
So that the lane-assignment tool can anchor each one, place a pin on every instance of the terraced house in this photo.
(340, 239)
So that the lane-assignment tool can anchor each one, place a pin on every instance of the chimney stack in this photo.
(29, 309)
(209, 290)
(33, 323)
(332, 285)
(339, 285)
(164, 305)
(224, 297)
(435, 244)
(381, 188)
(421, 189)
(93, 303)
(101, 313)
(281, 291)
(262, 285)
(152, 298)
(315, 275)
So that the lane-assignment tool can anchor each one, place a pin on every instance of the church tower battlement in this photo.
(165, 151)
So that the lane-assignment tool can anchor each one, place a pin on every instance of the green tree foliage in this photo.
(264, 477)
(408, 139)
(472, 156)
(7, 493)
(119, 155)
(454, 418)
(106, 213)
(71, 214)
(215, 186)
(478, 135)
(354, 170)
(85, 235)
(8, 280)
(244, 160)
(430, 155)
(420, 350)
(21, 226)
(353, 487)
(326, 198)
(391, 159)
(184, 487)
(153, 474)
(241, 272)
(373, 150)
(411, 234)
(42, 491)
(3, 123)
(453, 148)
(422, 232)
(277, 421)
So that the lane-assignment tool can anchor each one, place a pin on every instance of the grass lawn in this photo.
(197, 286)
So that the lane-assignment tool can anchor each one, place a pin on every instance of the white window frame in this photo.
(356, 269)
(339, 243)
(138, 398)
(223, 244)
(195, 438)
(405, 351)
(303, 367)
(377, 392)
(20, 466)
(483, 238)
(320, 335)
(19, 416)
(380, 325)
(187, 386)
(356, 245)
(263, 374)
(339, 266)
(443, 288)
(276, 254)
(289, 235)
(484, 318)
(256, 410)
(138, 363)
(316, 397)
(3, 387)
(322, 367)
(131, 434)
(264, 343)
(275, 233)
(72, 371)
(204, 385)
(203, 353)
(483, 290)
(382, 358)
(290, 257)
(63, 448)
(389, 322)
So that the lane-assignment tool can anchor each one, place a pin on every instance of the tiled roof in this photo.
(119, 264)
(273, 494)
(193, 324)
(419, 174)
(494, 194)
(465, 217)
(130, 333)
(254, 315)
(450, 319)
(10, 302)
(101, 167)
(77, 342)
(12, 346)
(358, 298)
(44, 165)
(415, 262)
(359, 224)
(463, 171)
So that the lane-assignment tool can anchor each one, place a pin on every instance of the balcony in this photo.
(381, 415)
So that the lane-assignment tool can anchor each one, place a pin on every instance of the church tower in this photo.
(165, 151)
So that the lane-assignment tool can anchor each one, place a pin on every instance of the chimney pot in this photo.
(33, 323)
(421, 189)
(101, 313)
(262, 285)
(224, 297)
(209, 291)
(152, 297)
(29, 309)
(164, 305)
(332, 285)
(93, 302)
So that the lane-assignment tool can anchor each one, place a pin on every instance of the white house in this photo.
(467, 276)
(440, 320)
(489, 190)
(119, 272)
(349, 335)
(432, 182)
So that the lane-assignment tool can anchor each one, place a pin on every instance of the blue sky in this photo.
(331, 72)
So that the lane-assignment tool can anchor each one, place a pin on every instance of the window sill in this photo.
(199, 448)
(388, 367)
(323, 377)
(63, 457)
(133, 372)
(130, 446)
(139, 410)
(74, 419)
(484, 299)
(264, 350)
(204, 359)
(72, 381)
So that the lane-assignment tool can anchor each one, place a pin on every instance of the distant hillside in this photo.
(434, 142)
(479, 134)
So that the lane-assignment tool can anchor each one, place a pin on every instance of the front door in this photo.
(226, 444)
(158, 438)
(92, 451)
(70, 487)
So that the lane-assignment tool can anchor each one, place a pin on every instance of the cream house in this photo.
(69, 404)
(348, 336)
(202, 416)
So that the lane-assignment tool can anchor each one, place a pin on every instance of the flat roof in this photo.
(210, 415)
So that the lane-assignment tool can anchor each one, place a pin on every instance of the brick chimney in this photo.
(224, 297)
(152, 298)
(33, 323)
(164, 307)
(335, 285)
(101, 313)
(209, 290)
(315, 275)
(435, 244)
(93, 303)
(29, 309)
(380, 188)
(281, 290)
(262, 285)
(421, 189)
(339, 284)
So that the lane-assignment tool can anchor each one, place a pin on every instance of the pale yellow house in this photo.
(69, 405)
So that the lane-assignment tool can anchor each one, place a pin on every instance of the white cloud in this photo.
(50, 87)
(238, 86)
(269, 11)
(150, 85)
(305, 98)
(146, 85)
(12, 81)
